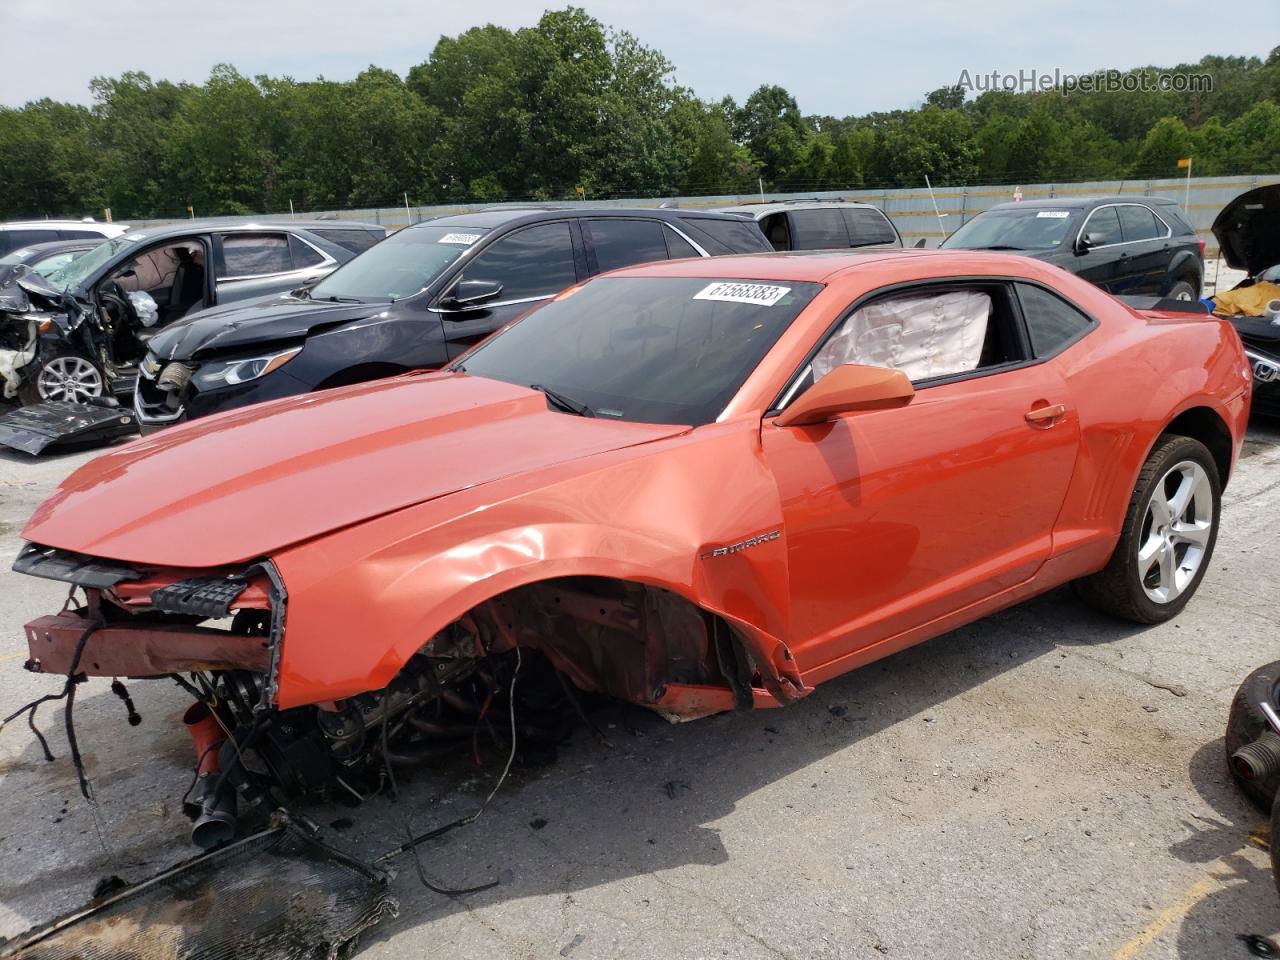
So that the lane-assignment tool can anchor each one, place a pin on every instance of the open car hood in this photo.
(258, 321)
(244, 484)
(1248, 230)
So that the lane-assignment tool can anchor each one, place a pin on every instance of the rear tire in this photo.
(1167, 539)
(1184, 290)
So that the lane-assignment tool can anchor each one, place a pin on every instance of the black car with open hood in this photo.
(414, 301)
(1248, 234)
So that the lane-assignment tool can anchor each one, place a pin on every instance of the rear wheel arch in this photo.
(1185, 266)
(1206, 425)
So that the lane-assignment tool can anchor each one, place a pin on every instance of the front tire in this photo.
(1169, 531)
(65, 375)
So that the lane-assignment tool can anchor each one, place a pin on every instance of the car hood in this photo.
(242, 485)
(1248, 230)
(263, 320)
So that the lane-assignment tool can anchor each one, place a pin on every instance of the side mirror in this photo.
(1090, 240)
(471, 293)
(851, 386)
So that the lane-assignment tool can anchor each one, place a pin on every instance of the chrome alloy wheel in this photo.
(1175, 531)
(69, 378)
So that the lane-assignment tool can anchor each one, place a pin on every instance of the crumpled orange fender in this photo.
(700, 519)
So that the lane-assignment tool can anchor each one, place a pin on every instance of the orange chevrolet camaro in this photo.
(696, 486)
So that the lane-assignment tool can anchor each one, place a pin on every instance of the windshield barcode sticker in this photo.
(761, 294)
(466, 239)
(1054, 214)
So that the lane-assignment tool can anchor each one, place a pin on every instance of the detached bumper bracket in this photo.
(209, 597)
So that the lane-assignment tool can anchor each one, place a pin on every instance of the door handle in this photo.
(1041, 414)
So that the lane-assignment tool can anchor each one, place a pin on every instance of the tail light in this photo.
(1201, 242)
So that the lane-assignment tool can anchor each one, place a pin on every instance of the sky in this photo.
(836, 57)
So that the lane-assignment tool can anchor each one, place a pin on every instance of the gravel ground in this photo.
(1044, 783)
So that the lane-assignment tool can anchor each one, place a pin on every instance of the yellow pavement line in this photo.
(13, 656)
(1171, 914)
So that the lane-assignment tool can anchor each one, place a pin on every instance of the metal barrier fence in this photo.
(912, 209)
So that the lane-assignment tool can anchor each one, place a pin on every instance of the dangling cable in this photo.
(414, 842)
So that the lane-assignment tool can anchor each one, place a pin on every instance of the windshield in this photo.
(1026, 229)
(400, 265)
(71, 275)
(649, 349)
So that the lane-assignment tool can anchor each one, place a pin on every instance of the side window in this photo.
(13, 239)
(80, 235)
(254, 255)
(620, 243)
(1051, 321)
(818, 229)
(530, 263)
(945, 332)
(868, 226)
(357, 241)
(304, 255)
(1138, 223)
(923, 335)
(725, 236)
(677, 246)
(775, 231)
(1175, 219)
(1105, 221)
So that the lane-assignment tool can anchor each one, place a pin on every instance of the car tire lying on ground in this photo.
(62, 375)
(1157, 565)
(1245, 723)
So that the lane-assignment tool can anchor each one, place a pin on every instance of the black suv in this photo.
(414, 301)
(1138, 246)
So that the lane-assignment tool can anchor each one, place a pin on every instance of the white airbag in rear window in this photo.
(929, 335)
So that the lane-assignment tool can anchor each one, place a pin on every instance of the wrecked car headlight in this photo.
(231, 372)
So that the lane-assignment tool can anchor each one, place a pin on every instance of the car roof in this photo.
(818, 266)
(489, 219)
(161, 231)
(53, 246)
(758, 210)
(1079, 203)
(64, 225)
(323, 224)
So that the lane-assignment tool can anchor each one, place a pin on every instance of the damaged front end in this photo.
(220, 635)
(29, 306)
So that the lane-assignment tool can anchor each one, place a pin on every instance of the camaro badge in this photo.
(743, 544)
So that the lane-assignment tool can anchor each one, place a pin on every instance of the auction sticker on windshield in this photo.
(762, 294)
(465, 239)
(1054, 214)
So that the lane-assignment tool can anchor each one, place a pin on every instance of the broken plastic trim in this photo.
(279, 600)
(54, 564)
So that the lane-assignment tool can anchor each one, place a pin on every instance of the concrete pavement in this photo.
(1026, 787)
